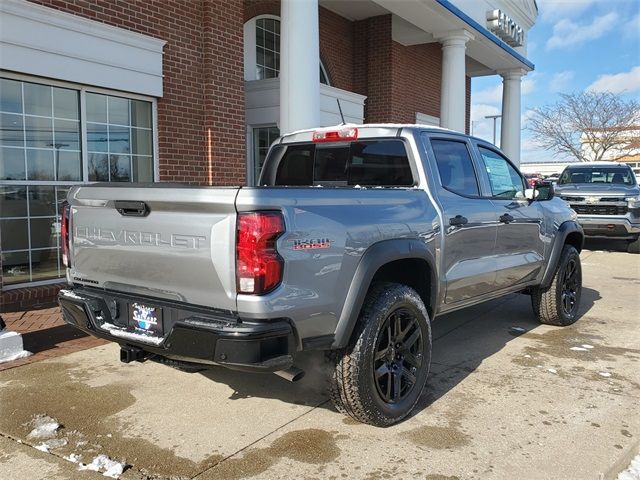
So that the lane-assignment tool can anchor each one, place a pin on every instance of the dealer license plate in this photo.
(145, 319)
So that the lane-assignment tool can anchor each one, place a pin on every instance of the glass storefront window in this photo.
(41, 156)
(119, 139)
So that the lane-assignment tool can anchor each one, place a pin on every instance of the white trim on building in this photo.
(48, 43)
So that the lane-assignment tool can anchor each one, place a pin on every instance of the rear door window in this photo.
(381, 163)
(455, 167)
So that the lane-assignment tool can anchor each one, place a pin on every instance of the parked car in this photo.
(533, 179)
(606, 197)
(357, 238)
(552, 179)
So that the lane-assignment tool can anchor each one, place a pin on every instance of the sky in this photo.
(576, 46)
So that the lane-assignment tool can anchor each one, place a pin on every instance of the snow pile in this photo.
(102, 463)
(578, 349)
(122, 333)
(73, 458)
(604, 374)
(49, 444)
(11, 346)
(552, 370)
(44, 427)
(633, 471)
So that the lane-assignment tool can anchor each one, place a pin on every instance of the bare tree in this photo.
(589, 126)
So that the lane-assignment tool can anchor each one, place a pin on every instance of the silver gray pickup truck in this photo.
(606, 197)
(355, 240)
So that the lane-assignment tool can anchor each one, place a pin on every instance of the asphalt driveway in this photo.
(531, 402)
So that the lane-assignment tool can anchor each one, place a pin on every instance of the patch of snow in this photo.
(518, 329)
(578, 349)
(15, 356)
(70, 294)
(552, 370)
(42, 447)
(604, 374)
(43, 427)
(56, 442)
(11, 347)
(527, 356)
(102, 463)
(633, 471)
(587, 346)
(73, 458)
(121, 333)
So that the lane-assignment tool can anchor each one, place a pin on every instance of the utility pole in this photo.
(495, 118)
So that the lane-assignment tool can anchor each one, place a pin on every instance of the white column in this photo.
(453, 87)
(511, 122)
(299, 65)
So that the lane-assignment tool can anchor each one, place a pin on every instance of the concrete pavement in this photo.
(499, 404)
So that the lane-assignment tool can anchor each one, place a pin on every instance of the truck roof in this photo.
(597, 164)
(372, 130)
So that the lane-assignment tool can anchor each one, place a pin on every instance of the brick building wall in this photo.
(416, 74)
(203, 74)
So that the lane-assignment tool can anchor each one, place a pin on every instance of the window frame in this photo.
(84, 157)
(250, 58)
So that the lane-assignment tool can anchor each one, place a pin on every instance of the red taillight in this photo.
(64, 233)
(258, 265)
(344, 134)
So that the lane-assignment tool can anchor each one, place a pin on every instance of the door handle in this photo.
(131, 209)
(458, 220)
(506, 218)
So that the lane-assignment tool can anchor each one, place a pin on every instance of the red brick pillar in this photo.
(223, 87)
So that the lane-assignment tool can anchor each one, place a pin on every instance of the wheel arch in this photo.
(405, 261)
(569, 233)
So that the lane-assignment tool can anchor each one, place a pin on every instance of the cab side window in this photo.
(455, 167)
(504, 179)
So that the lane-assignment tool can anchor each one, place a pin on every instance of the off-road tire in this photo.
(634, 246)
(354, 386)
(549, 304)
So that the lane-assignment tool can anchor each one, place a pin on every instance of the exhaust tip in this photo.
(291, 374)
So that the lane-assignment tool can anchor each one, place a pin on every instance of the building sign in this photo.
(505, 28)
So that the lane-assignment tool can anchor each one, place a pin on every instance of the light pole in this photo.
(495, 118)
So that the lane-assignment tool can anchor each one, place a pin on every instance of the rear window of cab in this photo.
(367, 163)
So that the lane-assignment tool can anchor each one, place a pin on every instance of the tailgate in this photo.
(170, 242)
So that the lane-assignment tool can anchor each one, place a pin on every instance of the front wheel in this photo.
(380, 376)
(634, 246)
(559, 303)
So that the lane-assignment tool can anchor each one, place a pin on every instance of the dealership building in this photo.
(196, 91)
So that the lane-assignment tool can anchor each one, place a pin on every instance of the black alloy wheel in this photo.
(570, 287)
(397, 355)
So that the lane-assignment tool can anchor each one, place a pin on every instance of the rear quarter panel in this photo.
(348, 221)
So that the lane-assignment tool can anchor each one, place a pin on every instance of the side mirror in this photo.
(543, 191)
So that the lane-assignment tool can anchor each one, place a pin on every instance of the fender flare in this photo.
(564, 230)
(375, 257)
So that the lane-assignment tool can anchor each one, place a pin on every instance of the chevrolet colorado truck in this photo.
(606, 197)
(356, 238)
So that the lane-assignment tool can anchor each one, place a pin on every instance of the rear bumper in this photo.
(604, 226)
(191, 334)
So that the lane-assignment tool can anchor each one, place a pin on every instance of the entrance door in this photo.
(469, 221)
